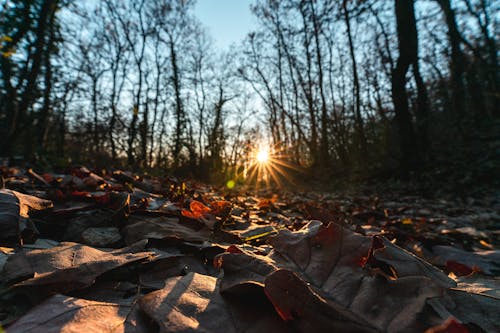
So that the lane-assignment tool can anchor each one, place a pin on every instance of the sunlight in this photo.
(262, 155)
(268, 165)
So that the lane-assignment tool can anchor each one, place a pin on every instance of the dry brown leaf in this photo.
(403, 263)
(221, 207)
(295, 301)
(192, 303)
(330, 258)
(162, 228)
(156, 273)
(64, 314)
(487, 261)
(478, 309)
(13, 207)
(242, 268)
(68, 266)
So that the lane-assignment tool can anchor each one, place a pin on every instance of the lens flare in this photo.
(268, 165)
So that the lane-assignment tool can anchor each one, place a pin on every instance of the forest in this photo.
(335, 170)
(357, 89)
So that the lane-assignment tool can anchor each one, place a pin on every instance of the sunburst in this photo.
(267, 165)
(262, 155)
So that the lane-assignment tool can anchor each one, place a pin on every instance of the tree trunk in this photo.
(405, 30)
(324, 154)
(179, 111)
(307, 87)
(360, 132)
(95, 111)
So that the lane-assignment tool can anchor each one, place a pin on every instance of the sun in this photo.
(262, 155)
(267, 165)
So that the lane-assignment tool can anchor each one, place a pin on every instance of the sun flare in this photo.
(268, 165)
(262, 155)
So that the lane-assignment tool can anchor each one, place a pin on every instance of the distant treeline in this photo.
(371, 87)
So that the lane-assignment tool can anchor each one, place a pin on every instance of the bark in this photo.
(406, 44)
(144, 133)
(95, 111)
(360, 132)
(179, 110)
(307, 87)
(138, 58)
(324, 154)
(42, 125)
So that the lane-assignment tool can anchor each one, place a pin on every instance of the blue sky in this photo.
(228, 21)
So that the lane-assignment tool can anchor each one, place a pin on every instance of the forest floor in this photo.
(81, 252)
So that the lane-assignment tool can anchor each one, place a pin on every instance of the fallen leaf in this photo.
(75, 226)
(257, 233)
(199, 212)
(155, 274)
(166, 228)
(487, 261)
(67, 314)
(101, 237)
(221, 207)
(4, 254)
(242, 269)
(41, 244)
(384, 254)
(460, 269)
(66, 267)
(267, 203)
(477, 309)
(406, 221)
(450, 326)
(479, 284)
(38, 177)
(328, 258)
(193, 303)
(297, 302)
(14, 208)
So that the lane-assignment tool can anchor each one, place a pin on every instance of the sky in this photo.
(228, 21)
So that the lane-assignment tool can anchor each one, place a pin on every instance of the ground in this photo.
(109, 252)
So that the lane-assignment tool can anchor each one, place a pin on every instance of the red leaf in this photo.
(266, 203)
(197, 206)
(460, 269)
(80, 194)
(103, 199)
(188, 214)
(220, 207)
(233, 249)
(449, 326)
(48, 177)
(198, 210)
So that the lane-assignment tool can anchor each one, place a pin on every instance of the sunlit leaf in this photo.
(220, 207)
(68, 314)
(407, 221)
(197, 210)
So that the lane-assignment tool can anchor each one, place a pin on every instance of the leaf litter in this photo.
(117, 252)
